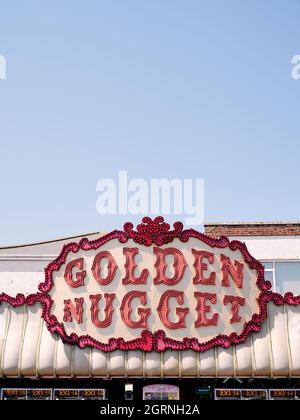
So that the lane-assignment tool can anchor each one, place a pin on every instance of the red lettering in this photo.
(160, 265)
(130, 267)
(75, 310)
(126, 309)
(163, 309)
(68, 276)
(165, 270)
(234, 269)
(202, 309)
(108, 310)
(111, 268)
(235, 301)
(201, 266)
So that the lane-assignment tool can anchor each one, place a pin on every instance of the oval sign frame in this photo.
(152, 232)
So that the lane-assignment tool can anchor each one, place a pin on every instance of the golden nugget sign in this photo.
(155, 288)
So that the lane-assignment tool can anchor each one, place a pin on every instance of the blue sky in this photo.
(188, 89)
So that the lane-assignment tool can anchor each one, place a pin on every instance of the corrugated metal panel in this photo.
(28, 349)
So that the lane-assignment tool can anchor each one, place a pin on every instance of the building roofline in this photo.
(49, 241)
(289, 223)
(207, 224)
(288, 228)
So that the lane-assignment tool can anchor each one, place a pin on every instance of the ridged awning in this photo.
(28, 349)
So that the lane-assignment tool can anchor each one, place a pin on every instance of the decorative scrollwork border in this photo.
(152, 232)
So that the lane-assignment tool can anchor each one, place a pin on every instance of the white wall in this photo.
(272, 247)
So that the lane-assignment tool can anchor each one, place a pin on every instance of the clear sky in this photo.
(188, 89)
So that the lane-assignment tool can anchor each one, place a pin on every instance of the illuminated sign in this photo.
(13, 394)
(154, 288)
(26, 394)
(39, 394)
(66, 394)
(241, 394)
(79, 394)
(92, 394)
(260, 394)
(284, 394)
(228, 394)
